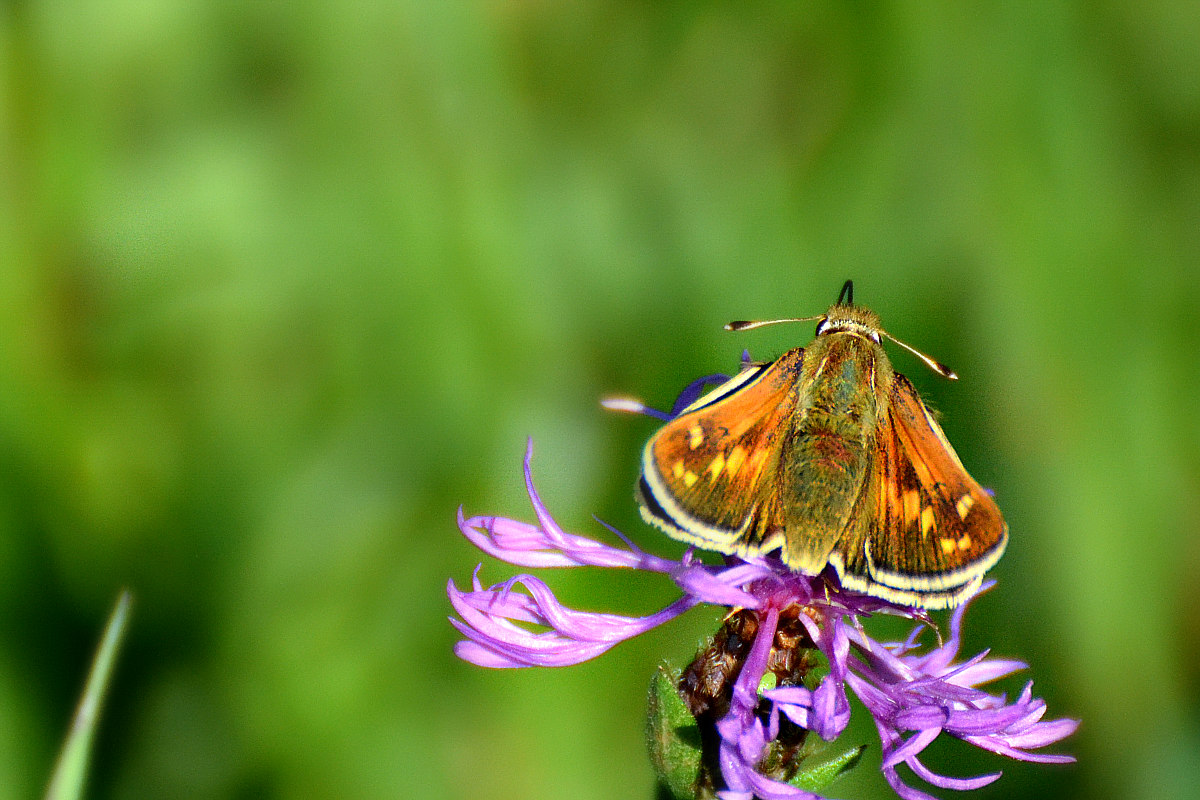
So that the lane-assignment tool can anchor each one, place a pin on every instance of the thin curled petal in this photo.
(487, 620)
(922, 717)
(502, 651)
(689, 395)
(794, 701)
(717, 588)
(692, 392)
(631, 405)
(831, 708)
(531, 546)
(545, 609)
(945, 782)
(903, 789)
(986, 672)
(911, 747)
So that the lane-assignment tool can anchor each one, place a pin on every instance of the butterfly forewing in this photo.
(929, 530)
(709, 477)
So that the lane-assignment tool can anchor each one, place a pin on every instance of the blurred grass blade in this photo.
(69, 773)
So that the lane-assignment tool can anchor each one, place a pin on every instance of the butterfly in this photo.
(830, 457)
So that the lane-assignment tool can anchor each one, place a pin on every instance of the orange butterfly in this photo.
(828, 456)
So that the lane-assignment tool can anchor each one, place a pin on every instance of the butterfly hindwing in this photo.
(710, 476)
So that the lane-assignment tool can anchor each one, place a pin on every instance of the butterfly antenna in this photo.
(847, 294)
(845, 298)
(936, 366)
(746, 324)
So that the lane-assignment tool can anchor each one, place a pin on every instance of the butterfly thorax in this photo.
(843, 393)
(846, 379)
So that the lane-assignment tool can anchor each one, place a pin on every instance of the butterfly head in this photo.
(854, 320)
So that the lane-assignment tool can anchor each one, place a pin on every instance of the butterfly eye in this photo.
(822, 325)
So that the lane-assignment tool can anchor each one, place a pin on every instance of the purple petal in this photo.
(481, 656)
(767, 789)
(945, 782)
(923, 717)
(988, 671)
(938, 689)
(1044, 733)
(882, 661)
(745, 689)
(997, 745)
(487, 620)
(631, 406)
(840, 648)
(977, 721)
(539, 508)
(939, 659)
(773, 723)
(903, 789)
(830, 708)
(790, 695)
(691, 393)
(546, 544)
(501, 650)
(911, 747)
(794, 701)
(541, 607)
(530, 546)
(511, 541)
(878, 702)
(722, 588)
(745, 782)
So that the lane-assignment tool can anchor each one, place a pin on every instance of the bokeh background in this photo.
(283, 285)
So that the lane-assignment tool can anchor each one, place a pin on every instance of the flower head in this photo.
(913, 696)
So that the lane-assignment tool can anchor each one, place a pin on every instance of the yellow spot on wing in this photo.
(756, 461)
(926, 521)
(964, 542)
(911, 503)
(689, 478)
(677, 469)
(736, 456)
(714, 469)
(695, 436)
(948, 545)
(963, 506)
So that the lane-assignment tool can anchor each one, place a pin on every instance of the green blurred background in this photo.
(281, 289)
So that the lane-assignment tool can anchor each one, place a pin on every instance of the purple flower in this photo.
(912, 696)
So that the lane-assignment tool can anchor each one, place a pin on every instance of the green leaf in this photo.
(815, 777)
(672, 737)
(67, 781)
